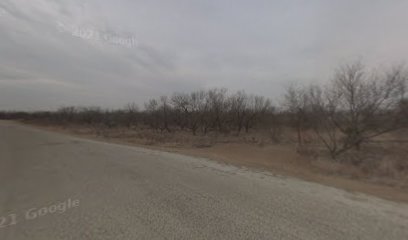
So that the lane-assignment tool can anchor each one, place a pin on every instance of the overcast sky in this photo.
(108, 53)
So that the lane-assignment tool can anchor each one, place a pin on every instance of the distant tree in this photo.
(239, 109)
(218, 107)
(66, 114)
(164, 110)
(295, 103)
(257, 107)
(131, 114)
(199, 112)
(182, 109)
(152, 114)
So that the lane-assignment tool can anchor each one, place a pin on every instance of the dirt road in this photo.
(54, 186)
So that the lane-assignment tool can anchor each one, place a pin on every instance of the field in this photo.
(383, 172)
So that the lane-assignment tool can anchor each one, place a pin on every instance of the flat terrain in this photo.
(135, 193)
(388, 181)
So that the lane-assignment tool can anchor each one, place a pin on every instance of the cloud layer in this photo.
(108, 53)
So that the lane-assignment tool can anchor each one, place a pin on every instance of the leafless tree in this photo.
(367, 102)
(295, 103)
(239, 109)
(356, 107)
(321, 112)
(199, 109)
(131, 114)
(218, 107)
(182, 109)
(165, 110)
(152, 114)
(256, 108)
(66, 114)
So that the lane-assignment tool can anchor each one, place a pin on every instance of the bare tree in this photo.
(321, 113)
(152, 113)
(295, 103)
(158, 113)
(217, 99)
(239, 109)
(367, 102)
(182, 109)
(356, 107)
(131, 114)
(199, 108)
(256, 107)
(165, 109)
(66, 114)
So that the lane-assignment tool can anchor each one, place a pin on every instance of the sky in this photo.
(57, 53)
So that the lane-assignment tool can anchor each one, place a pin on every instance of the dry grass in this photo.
(380, 169)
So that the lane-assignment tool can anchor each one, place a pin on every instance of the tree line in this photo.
(355, 106)
(199, 112)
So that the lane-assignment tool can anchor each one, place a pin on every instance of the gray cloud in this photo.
(99, 52)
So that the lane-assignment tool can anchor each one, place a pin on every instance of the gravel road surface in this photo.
(54, 186)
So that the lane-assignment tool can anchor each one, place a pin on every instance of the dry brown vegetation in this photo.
(354, 127)
(383, 176)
